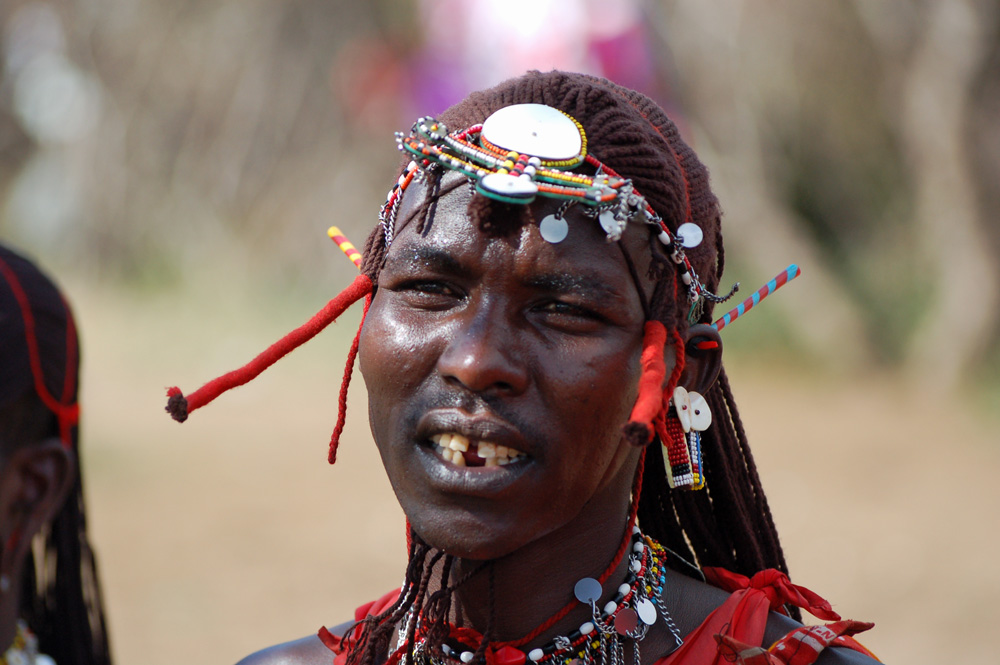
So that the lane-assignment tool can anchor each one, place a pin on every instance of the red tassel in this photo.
(179, 406)
(639, 429)
(345, 383)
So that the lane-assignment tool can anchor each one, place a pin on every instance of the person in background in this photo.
(50, 600)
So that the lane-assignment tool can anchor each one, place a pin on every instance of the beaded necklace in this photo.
(600, 641)
(24, 649)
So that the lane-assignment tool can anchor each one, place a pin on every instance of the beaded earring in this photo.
(689, 416)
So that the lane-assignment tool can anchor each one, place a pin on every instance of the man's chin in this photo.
(467, 535)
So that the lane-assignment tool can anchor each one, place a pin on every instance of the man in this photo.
(539, 373)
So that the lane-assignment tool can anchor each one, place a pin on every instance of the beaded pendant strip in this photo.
(527, 150)
(602, 640)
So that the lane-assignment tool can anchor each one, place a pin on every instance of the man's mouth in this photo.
(460, 450)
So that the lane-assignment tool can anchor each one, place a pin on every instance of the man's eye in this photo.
(568, 309)
(430, 288)
(428, 293)
(565, 312)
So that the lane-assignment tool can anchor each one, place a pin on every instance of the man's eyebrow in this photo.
(579, 284)
(427, 256)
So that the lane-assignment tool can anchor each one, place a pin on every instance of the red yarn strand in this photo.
(179, 407)
(650, 399)
(344, 385)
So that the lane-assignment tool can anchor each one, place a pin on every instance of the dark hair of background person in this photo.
(60, 594)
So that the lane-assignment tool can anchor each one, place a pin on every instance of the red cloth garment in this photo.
(341, 645)
(730, 634)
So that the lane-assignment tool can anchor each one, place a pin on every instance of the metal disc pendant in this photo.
(626, 621)
(690, 234)
(507, 187)
(609, 223)
(553, 229)
(646, 611)
(588, 590)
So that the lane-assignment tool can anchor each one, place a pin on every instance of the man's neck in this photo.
(535, 582)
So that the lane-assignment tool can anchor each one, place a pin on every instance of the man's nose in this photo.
(482, 355)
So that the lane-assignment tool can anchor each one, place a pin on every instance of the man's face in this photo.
(513, 343)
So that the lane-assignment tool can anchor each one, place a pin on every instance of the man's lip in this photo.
(480, 426)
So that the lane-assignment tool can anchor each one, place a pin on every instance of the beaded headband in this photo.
(526, 150)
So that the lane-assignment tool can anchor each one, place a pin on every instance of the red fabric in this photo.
(778, 589)
(730, 634)
(802, 646)
(341, 645)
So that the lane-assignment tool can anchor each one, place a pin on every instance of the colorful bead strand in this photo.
(782, 278)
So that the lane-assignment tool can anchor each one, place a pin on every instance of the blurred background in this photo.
(175, 165)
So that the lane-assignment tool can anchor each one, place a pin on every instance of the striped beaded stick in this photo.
(787, 275)
(345, 245)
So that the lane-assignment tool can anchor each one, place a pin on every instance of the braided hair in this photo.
(60, 597)
(728, 524)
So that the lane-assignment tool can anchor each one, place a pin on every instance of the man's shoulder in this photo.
(305, 651)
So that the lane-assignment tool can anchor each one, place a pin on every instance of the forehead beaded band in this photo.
(526, 150)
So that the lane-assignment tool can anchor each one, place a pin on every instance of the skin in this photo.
(535, 346)
(34, 482)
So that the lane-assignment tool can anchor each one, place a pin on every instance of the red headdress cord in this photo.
(66, 409)
(179, 406)
(651, 403)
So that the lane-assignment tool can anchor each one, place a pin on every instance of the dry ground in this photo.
(230, 532)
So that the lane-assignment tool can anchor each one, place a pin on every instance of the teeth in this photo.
(451, 446)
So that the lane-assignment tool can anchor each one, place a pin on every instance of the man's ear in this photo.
(36, 479)
(702, 358)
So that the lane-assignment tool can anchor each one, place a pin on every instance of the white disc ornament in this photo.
(609, 223)
(682, 405)
(646, 611)
(553, 229)
(690, 234)
(508, 186)
(588, 590)
(535, 129)
(701, 414)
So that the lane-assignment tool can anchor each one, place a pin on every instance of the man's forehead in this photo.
(585, 264)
